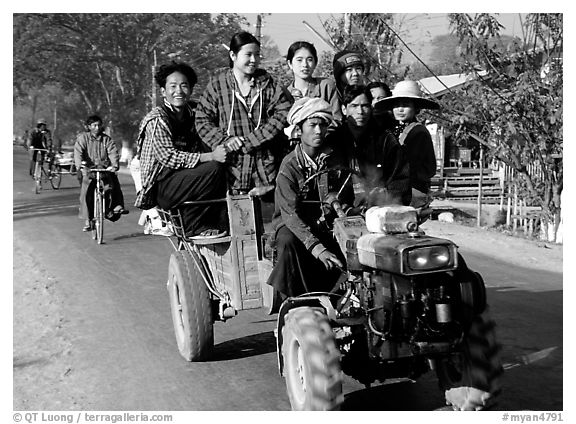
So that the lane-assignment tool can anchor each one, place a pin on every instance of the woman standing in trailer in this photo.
(245, 110)
(302, 60)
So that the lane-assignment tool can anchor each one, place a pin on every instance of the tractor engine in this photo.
(415, 300)
(409, 316)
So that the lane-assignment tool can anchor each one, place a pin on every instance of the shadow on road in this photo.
(403, 396)
(244, 347)
(131, 235)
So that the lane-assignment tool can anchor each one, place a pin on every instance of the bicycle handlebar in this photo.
(39, 150)
(82, 166)
(98, 169)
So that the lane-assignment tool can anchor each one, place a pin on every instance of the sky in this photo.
(285, 28)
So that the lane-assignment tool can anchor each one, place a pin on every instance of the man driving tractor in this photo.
(308, 257)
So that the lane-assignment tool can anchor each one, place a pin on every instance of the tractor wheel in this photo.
(471, 379)
(311, 361)
(191, 307)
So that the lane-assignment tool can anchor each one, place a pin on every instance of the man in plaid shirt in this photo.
(175, 166)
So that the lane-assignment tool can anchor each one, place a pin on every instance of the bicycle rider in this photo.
(95, 149)
(39, 138)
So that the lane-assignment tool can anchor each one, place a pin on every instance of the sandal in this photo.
(210, 234)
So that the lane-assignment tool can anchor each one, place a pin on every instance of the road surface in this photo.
(92, 325)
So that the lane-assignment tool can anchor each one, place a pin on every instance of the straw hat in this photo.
(408, 89)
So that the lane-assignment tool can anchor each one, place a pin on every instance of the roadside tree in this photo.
(516, 111)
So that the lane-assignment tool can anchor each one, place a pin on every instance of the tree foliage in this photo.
(373, 35)
(108, 59)
(516, 110)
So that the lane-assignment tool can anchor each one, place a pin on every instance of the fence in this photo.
(518, 213)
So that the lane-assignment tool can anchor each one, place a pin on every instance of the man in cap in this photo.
(40, 138)
(348, 69)
(308, 257)
(406, 102)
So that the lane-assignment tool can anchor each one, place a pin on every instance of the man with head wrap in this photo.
(308, 257)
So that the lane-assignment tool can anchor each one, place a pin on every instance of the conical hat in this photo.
(407, 89)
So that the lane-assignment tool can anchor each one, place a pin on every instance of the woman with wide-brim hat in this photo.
(406, 102)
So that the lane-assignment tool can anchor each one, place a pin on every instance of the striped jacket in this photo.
(223, 113)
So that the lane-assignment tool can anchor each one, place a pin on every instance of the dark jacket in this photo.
(378, 157)
(302, 218)
(419, 151)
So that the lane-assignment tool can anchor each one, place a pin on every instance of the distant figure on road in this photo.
(39, 138)
(175, 165)
(94, 149)
(245, 109)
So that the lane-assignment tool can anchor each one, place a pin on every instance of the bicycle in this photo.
(51, 173)
(39, 170)
(99, 205)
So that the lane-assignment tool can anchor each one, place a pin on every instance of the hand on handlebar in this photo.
(110, 168)
(333, 200)
(330, 260)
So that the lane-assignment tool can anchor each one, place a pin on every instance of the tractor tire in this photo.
(471, 380)
(190, 304)
(311, 361)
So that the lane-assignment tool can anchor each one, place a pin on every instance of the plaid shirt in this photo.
(157, 150)
(222, 113)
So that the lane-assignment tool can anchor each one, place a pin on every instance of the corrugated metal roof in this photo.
(433, 87)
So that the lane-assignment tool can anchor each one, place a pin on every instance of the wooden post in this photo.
(515, 210)
(521, 213)
(509, 207)
(479, 215)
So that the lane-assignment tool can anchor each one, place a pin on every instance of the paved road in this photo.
(123, 352)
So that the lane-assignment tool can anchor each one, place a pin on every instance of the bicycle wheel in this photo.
(37, 178)
(98, 232)
(55, 176)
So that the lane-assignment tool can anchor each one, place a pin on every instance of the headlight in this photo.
(429, 258)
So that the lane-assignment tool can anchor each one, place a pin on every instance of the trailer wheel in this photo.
(471, 379)
(311, 361)
(191, 307)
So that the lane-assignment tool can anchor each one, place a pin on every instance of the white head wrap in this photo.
(305, 108)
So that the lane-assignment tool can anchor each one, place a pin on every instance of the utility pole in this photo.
(347, 24)
(317, 34)
(153, 82)
(258, 34)
(55, 126)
